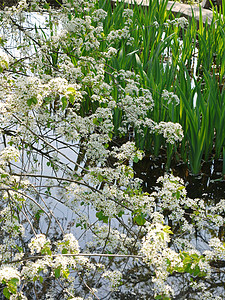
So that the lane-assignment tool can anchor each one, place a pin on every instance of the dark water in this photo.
(209, 184)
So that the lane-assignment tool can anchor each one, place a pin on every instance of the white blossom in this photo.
(9, 153)
(8, 273)
(172, 132)
(4, 60)
(114, 277)
(38, 243)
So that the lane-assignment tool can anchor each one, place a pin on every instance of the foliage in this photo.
(86, 92)
(183, 66)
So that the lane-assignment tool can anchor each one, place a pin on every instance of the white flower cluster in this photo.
(99, 15)
(120, 34)
(156, 240)
(117, 242)
(117, 186)
(38, 243)
(172, 132)
(218, 252)
(182, 22)
(9, 153)
(33, 269)
(134, 101)
(22, 4)
(128, 15)
(22, 91)
(60, 86)
(29, 93)
(95, 148)
(79, 5)
(170, 97)
(219, 207)
(4, 60)
(171, 195)
(114, 277)
(82, 33)
(127, 151)
(69, 243)
(76, 25)
(70, 105)
(11, 225)
(8, 273)
(111, 52)
(155, 253)
(54, 260)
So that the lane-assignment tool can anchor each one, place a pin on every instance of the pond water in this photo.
(209, 184)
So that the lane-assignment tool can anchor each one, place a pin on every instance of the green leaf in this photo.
(4, 175)
(14, 281)
(188, 269)
(196, 271)
(19, 248)
(167, 229)
(120, 214)
(57, 272)
(48, 251)
(110, 134)
(64, 251)
(139, 219)
(64, 102)
(38, 214)
(6, 293)
(46, 6)
(178, 195)
(100, 215)
(66, 273)
(100, 177)
(71, 89)
(71, 99)
(95, 121)
(32, 100)
(136, 159)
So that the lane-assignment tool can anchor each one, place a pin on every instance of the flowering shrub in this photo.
(75, 221)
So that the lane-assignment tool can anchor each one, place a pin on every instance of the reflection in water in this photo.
(209, 184)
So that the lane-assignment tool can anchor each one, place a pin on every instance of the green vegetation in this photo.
(185, 60)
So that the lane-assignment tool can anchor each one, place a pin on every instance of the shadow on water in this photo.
(209, 184)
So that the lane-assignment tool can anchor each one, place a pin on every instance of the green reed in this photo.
(189, 62)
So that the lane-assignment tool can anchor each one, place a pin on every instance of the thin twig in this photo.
(76, 255)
